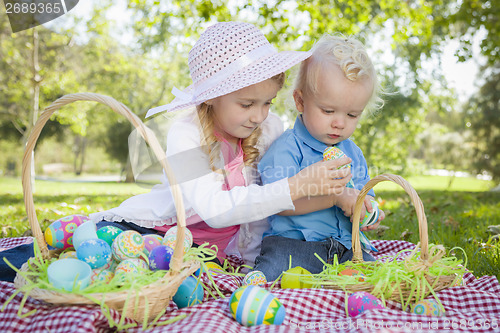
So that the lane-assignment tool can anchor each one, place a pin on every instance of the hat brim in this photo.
(261, 70)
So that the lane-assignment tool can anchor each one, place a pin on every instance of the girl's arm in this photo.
(202, 188)
(308, 205)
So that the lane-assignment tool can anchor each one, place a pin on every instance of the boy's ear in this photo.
(299, 101)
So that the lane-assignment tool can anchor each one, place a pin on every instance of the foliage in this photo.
(482, 117)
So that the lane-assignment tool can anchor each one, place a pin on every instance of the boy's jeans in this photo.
(276, 251)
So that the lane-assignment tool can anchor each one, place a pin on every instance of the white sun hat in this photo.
(229, 56)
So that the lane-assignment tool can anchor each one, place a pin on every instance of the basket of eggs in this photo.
(424, 271)
(143, 298)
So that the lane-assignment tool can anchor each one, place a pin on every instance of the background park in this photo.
(443, 139)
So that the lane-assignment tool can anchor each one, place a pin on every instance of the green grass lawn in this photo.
(457, 216)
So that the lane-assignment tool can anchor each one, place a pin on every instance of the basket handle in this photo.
(417, 203)
(145, 132)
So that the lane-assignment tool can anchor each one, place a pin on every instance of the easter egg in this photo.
(127, 245)
(59, 234)
(252, 305)
(159, 258)
(100, 274)
(332, 153)
(213, 268)
(94, 252)
(255, 278)
(371, 218)
(68, 254)
(362, 301)
(85, 231)
(130, 266)
(150, 242)
(69, 274)
(353, 272)
(294, 278)
(189, 293)
(171, 236)
(428, 307)
(108, 233)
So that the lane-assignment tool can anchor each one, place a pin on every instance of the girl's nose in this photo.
(259, 115)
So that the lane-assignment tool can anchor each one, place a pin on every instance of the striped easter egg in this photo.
(251, 305)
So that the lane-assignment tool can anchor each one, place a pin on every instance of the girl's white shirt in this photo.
(203, 194)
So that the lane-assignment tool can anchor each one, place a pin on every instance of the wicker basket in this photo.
(153, 298)
(403, 292)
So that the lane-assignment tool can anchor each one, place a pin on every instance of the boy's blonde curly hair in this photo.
(211, 144)
(350, 55)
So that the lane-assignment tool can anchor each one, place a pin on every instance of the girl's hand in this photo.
(320, 178)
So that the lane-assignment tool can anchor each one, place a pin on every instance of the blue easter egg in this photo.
(190, 292)
(159, 258)
(94, 252)
(251, 305)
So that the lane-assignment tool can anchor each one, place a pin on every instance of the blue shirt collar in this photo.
(302, 132)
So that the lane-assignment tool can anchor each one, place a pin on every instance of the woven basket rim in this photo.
(177, 266)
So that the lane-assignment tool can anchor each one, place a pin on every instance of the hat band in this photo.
(186, 98)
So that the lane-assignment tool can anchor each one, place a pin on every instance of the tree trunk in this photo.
(33, 113)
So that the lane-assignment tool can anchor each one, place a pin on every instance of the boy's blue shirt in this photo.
(293, 151)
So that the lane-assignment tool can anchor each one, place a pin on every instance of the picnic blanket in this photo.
(474, 307)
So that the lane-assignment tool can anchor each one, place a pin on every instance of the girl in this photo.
(213, 150)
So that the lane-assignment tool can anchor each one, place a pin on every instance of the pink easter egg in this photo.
(59, 234)
(362, 301)
(150, 242)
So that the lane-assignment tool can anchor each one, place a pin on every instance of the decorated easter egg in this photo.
(85, 231)
(100, 274)
(159, 258)
(371, 218)
(94, 252)
(428, 307)
(171, 236)
(130, 266)
(252, 305)
(214, 268)
(189, 293)
(255, 278)
(150, 242)
(362, 301)
(127, 245)
(108, 233)
(68, 254)
(332, 153)
(294, 278)
(59, 234)
(353, 272)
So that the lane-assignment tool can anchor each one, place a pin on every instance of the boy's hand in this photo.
(347, 200)
(369, 208)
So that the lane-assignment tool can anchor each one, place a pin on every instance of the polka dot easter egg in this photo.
(127, 245)
(362, 301)
(94, 252)
(59, 234)
(428, 307)
(252, 305)
(255, 278)
(171, 236)
(108, 233)
(159, 258)
(150, 242)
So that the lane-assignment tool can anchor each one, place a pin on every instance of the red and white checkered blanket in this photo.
(474, 307)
